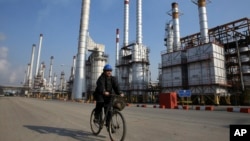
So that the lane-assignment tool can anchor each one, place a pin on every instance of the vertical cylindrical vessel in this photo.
(62, 80)
(139, 59)
(139, 22)
(54, 82)
(176, 26)
(72, 74)
(126, 22)
(117, 52)
(169, 37)
(98, 60)
(50, 71)
(31, 65)
(39, 53)
(203, 21)
(79, 84)
(26, 78)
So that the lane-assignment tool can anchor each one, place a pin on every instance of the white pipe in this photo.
(31, 65)
(26, 78)
(74, 66)
(39, 53)
(139, 22)
(117, 52)
(203, 21)
(79, 85)
(176, 26)
(117, 45)
(50, 71)
(126, 22)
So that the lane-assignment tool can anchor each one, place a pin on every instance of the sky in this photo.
(22, 22)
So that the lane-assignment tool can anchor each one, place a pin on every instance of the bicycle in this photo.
(117, 124)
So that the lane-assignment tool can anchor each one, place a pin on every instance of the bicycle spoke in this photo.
(117, 126)
(95, 126)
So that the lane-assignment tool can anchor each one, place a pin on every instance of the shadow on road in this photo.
(76, 134)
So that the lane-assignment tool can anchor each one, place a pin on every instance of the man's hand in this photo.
(106, 93)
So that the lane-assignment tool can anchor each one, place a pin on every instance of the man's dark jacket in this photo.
(103, 84)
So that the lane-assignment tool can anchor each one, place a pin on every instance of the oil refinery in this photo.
(213, 64)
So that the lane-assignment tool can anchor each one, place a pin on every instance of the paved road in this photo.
(23, 119)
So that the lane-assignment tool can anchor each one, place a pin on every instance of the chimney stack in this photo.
(31, 65)
(50, 71)
(126, 22)
(203, 20)
(117, 51)
(79, 84)
(117, 45)
(139, 22)
(39, 53)
(176, 26)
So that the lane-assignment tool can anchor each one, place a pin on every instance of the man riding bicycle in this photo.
(106, 84)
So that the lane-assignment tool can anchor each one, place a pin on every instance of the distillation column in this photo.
(79, 84)
(203, 20)
(31, 66)
(117, 54)
(139, 59)
(126, 22)
(50, 85)
(169, 39)
(26, 78)
(176, 26)
(38, 54)
(124, 68)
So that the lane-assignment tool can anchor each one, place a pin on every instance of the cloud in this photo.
(3, 52)
(16, 76)
(9, 75)
(3, 65)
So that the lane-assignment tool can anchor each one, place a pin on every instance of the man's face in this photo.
(108, 73)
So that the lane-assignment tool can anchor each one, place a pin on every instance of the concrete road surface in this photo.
(30, 119)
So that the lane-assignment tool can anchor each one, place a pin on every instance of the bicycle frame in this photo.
(113, 126)
(109, 109)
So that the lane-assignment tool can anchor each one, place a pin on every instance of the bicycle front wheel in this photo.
(95, 126)
(117, 127)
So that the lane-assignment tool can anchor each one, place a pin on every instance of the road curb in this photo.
(182, 107)
(237, 109)
(159, 106)
(206, 108)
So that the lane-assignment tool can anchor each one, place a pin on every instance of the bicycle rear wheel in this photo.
(117, 127)
(95, 126)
